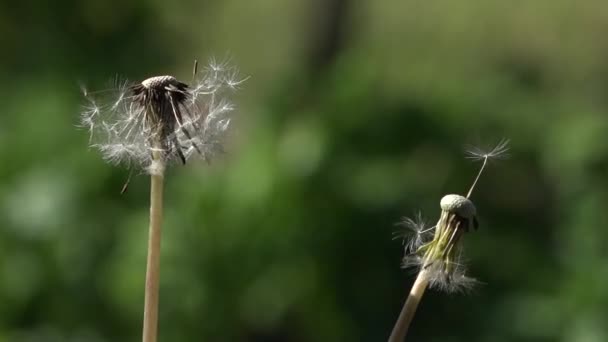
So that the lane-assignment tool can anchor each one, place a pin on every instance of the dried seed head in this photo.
(459, 205)
(441, 257)
(162, 118)
(159, 82)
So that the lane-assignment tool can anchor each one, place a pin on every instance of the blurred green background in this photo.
(355, 114)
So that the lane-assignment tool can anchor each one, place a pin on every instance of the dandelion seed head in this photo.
(459, 205)
(159, 82)
(439, 259)
(439, 255)
(161, 117)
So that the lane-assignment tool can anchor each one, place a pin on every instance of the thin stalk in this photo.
(483, 166)
(150, 326)
(409, 308)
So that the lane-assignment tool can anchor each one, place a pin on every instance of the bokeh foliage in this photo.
(356, 113)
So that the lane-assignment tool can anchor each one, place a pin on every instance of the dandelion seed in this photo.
(475, 153)
(162, 117)
(416, 233)
(456, 282)
(499, 151)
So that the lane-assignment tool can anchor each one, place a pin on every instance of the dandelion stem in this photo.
(409, 308)
(485, 161)
(150, 325)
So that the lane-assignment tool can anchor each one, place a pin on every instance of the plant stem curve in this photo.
(150, 324)
(409, 308)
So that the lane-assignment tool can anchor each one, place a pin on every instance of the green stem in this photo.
(409, 308)
(150, 325)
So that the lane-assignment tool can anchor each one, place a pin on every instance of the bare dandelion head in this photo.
(459, 205)
(440, 257)
(439, 260)
(161, 118)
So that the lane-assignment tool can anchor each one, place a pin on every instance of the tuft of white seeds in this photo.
(161, 116)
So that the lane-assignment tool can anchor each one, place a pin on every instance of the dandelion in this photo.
(151, 124)
(438, 259)
(162, 119)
